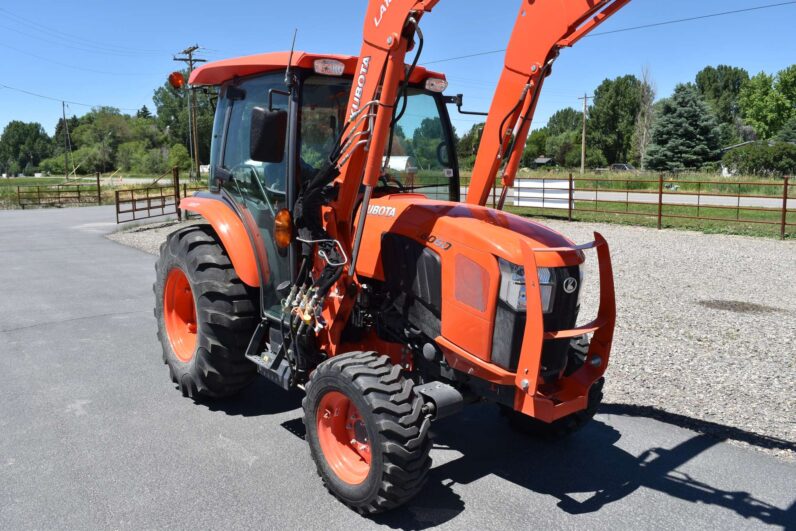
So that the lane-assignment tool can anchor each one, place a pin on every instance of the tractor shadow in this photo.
(584, 473)
(257, 399)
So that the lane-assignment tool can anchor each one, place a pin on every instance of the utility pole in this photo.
(585, 99)
(66, 145)
(187, 56)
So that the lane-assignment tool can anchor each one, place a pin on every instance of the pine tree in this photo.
(685, 134)
(143, 112)
(788, 132)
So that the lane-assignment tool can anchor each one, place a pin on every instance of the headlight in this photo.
(512, 286)
(547, 286)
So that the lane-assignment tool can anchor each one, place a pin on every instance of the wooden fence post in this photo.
(784, 208)
(660, 200)
(571, 197)
(175, 176)
(99, 191)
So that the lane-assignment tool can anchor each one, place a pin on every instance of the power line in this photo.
(644, 26)
(74, 67)
(67, 44)
(29, 93)
(75, 38)
(700, 17)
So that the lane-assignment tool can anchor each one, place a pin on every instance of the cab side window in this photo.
(265, 181)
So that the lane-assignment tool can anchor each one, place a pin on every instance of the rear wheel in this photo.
(558, 428)
(367, 431)
(205, 314)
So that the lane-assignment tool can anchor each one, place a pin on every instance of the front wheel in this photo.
(367, 431)
(205, 314)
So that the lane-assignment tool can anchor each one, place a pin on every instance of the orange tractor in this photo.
(336, 255)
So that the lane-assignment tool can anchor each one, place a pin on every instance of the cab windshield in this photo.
(419, 158)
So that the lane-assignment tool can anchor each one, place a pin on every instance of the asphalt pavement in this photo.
(96, 436)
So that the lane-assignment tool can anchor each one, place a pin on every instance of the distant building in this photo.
(541, 162)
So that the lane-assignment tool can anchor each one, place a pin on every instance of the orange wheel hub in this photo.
(179, 314)
(343, 437)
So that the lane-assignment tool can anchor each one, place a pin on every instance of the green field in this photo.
(8, 187)
(705, 183)
(647, 216)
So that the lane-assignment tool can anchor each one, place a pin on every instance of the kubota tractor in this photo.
(336, 256)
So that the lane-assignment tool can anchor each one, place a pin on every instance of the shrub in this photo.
(776, 159)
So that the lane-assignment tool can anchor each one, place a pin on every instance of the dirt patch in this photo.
(739, 306)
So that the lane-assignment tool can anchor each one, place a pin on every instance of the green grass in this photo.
(8, 187)
(726, 221)
(704, 183)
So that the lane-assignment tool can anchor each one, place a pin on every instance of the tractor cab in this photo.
(298, 126)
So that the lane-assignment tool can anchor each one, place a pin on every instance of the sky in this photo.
(102, 52)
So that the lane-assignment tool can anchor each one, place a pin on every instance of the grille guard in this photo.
(571, 394)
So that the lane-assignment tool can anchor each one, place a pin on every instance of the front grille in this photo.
(510, 328)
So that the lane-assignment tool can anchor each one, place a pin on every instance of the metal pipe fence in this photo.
(153, 200)
(759, 203)
(59, 195)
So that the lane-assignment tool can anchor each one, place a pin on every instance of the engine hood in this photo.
(442, 224)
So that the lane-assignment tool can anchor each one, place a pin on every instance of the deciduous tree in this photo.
(612, 118)
(764, 106)
(22, 146)
(564, 121)
(720, 87)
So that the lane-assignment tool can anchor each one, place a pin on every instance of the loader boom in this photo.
(541, 29)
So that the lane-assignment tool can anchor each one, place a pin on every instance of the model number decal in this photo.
(376, 210)
(436, 242)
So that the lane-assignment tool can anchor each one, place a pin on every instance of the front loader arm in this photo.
(388, 33)
(370, 105)
(542, 28)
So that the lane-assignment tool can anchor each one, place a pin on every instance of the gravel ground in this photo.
(706, 328)
(147, 237)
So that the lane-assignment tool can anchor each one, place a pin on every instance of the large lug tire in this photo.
(561, 428)
(205, 315)
(367, 431)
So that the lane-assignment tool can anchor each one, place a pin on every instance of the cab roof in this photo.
(219, 72)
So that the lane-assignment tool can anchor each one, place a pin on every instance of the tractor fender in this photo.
(230, 229)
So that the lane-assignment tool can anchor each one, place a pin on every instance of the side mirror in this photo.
(268, 132)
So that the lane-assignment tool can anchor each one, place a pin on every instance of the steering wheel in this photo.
(388, 179)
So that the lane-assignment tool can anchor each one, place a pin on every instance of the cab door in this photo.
(258, 188)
